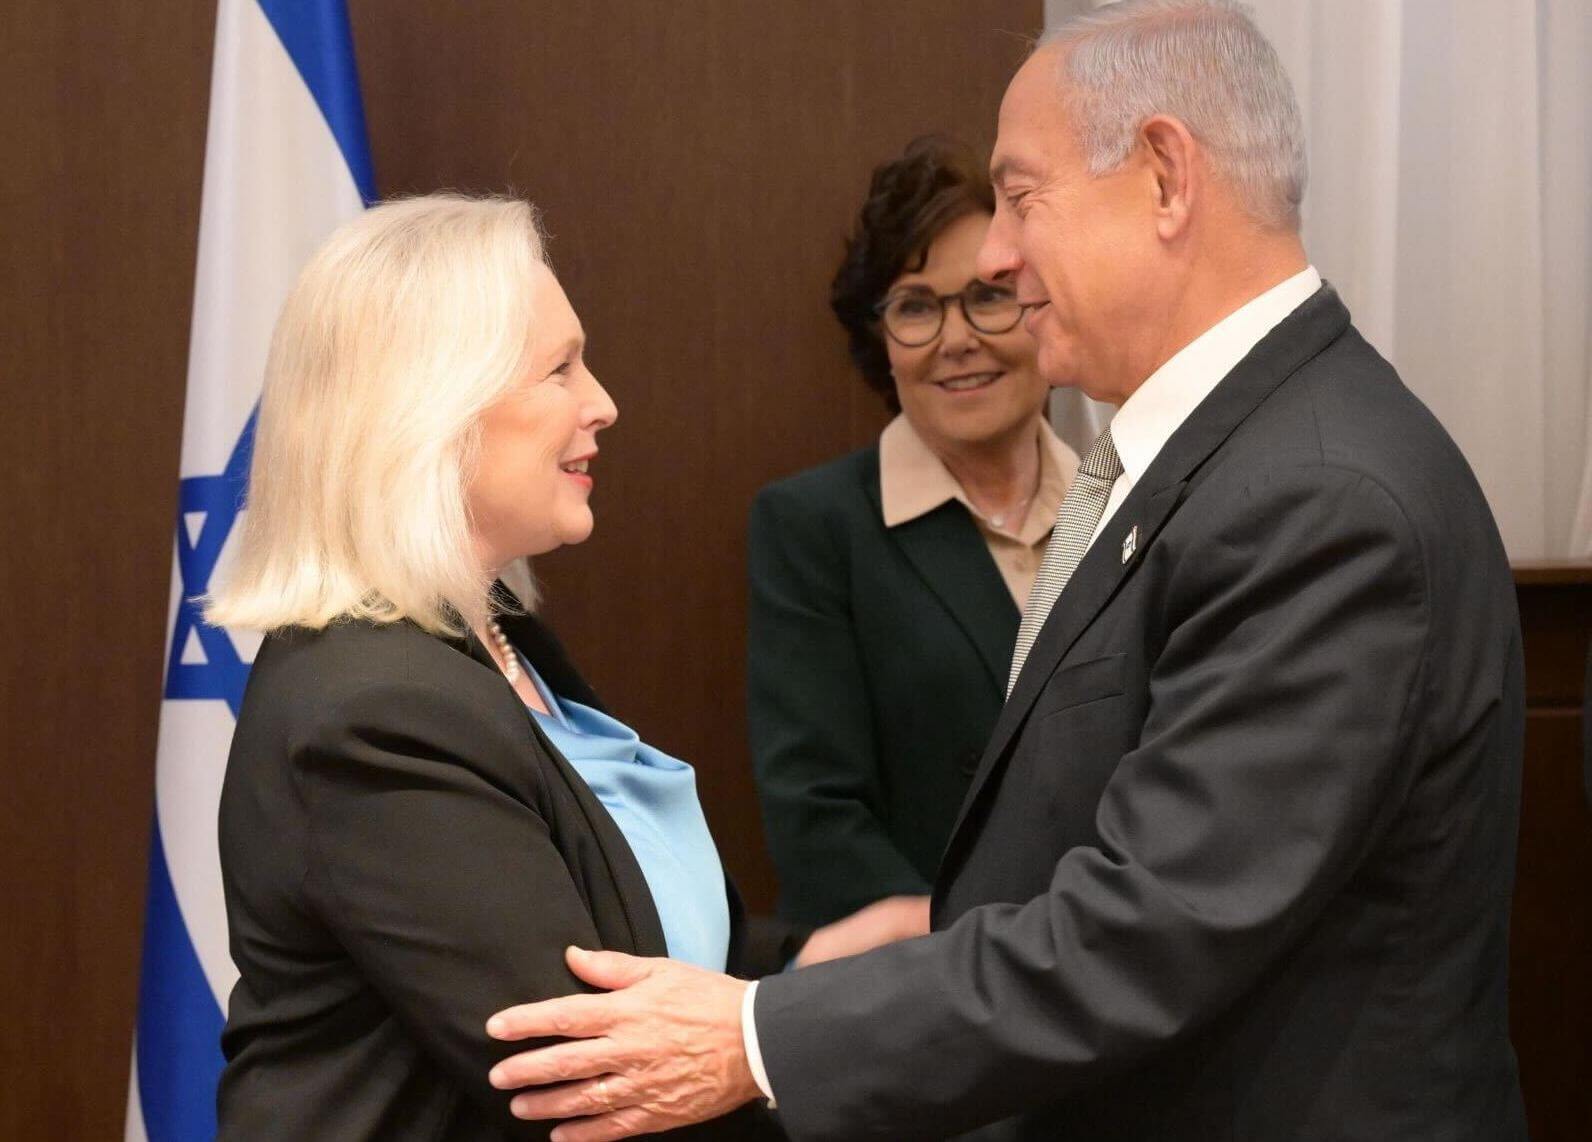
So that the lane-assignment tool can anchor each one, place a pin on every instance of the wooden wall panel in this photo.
(1550, 984)
(697, 165)
(101, 145)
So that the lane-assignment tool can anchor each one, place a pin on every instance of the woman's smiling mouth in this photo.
(967, 382)
(578, 470)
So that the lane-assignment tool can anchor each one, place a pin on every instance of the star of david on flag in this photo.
(286, 162)
(202, 660)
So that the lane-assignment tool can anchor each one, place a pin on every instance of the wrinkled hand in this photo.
(882, 922)
(662, 1049)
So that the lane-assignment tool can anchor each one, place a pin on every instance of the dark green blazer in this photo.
(876, 666)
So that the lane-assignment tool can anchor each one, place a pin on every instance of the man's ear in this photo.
(1171, 153)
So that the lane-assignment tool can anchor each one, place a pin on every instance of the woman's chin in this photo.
(577, 529)
(990, 429)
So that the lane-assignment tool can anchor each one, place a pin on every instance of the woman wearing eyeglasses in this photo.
(886, 586)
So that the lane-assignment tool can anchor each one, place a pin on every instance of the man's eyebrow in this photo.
(1007, 168)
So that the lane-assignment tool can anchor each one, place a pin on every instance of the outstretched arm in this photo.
(1272, 757)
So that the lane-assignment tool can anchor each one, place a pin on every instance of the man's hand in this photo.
(662, 1049)
(882, 922)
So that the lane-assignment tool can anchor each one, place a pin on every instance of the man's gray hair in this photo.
(1203, 62)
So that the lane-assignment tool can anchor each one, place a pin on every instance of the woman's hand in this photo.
(882, 922)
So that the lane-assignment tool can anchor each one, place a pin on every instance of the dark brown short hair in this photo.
(911, 200)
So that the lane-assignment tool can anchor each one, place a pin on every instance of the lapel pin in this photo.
(1130, 544)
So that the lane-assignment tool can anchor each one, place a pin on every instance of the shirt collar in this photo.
(913, 481)
(1148, 418)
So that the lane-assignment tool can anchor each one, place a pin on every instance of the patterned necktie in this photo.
(1080, 514)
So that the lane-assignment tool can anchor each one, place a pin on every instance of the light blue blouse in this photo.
(652, 798)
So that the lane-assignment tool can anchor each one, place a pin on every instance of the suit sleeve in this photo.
(1277, 743)
(811, 719)
(437, 876)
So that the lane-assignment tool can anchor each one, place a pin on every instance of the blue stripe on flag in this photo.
(179, 1020)
(320, 42)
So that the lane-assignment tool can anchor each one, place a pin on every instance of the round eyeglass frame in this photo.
(944, 299)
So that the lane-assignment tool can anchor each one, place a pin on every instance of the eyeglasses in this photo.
(914, 317)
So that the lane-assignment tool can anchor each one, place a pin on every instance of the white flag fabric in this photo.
(286, 161)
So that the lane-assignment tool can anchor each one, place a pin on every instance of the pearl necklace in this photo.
(510, 660)
(1017, 511)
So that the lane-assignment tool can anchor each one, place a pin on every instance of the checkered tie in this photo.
(1080, 514)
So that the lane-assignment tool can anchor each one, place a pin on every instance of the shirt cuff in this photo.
(754, 1055)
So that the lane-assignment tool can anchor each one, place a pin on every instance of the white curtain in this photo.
(1451, 205)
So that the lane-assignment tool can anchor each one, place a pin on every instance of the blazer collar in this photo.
(1319, 321)
(534, 639)
(946, 549)
(537, 642)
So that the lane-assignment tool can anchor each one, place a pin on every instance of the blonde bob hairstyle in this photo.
(407, 325)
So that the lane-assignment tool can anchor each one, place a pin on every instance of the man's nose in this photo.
(997, 254)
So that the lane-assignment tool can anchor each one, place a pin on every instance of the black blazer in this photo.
(876, 663)
(1237, 861)
(403, 854)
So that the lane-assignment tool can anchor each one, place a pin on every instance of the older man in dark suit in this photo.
(1237, 862)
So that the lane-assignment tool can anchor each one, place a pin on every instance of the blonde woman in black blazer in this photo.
(404, 849)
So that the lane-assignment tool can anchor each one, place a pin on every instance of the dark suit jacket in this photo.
(876, 663)
(404, 853)
(1237, 862)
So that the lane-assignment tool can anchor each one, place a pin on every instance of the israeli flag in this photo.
(286, 161)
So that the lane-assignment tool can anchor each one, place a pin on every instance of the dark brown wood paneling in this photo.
(1556, 618)
(1550, 982)
(1550, 985)
(102, 140)
(697, 165)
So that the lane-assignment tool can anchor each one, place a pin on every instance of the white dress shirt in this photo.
(1158, 407)
(1140, 429)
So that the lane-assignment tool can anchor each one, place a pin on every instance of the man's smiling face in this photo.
(1080, 248)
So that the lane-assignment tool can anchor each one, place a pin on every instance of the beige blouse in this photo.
(913, 481)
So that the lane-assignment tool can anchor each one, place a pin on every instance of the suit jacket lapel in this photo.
(1320, 320)
(1099, 575)
(546, 653)
(951, 556)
